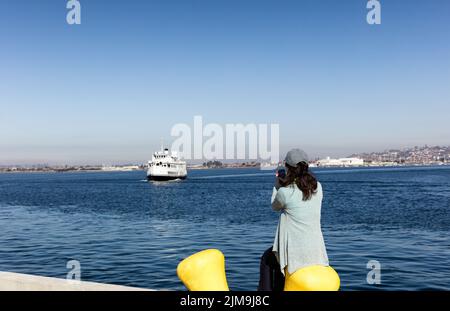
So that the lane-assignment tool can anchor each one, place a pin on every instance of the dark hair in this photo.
(302, 177)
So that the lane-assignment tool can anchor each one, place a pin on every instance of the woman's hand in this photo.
(279, 182)
(280, 178)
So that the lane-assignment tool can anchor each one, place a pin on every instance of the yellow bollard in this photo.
(313, 278)
(204, 271)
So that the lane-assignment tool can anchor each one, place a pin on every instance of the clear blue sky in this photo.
(107, 90)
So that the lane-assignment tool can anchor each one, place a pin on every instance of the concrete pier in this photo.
(10, 281)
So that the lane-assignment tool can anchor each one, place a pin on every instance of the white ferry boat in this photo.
(166, 166)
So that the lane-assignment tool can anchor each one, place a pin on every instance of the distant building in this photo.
(340, 162)
(120, 168)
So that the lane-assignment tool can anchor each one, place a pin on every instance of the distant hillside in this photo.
(416, 154)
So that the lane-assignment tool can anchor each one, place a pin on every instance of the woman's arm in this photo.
(278, 200)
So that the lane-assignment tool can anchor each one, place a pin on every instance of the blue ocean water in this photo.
(124, 230)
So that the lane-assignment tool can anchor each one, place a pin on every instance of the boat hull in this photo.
(164, 178)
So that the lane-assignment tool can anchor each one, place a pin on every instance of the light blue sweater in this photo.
(298, 241)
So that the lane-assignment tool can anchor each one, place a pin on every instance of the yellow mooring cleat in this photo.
(312, 278)
(204, 271)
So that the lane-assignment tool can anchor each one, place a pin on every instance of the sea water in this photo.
(125, 230)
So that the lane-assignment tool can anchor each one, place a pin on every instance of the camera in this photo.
(281, 172)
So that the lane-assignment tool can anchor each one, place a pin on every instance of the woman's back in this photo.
(299, 241)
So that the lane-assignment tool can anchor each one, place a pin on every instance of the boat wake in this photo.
(232, 175)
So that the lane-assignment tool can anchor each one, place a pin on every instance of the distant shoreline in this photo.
(56, 171)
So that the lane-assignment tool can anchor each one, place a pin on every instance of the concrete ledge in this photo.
(25, 282)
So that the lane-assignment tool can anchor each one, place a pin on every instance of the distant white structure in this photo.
(269, 165)
(120, 168)
(341, 162)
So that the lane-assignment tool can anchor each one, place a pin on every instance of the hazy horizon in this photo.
(283, 151)
(106, 91)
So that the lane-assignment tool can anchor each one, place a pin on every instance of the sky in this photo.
(106, 91)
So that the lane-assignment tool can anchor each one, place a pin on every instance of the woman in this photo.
(298, 241)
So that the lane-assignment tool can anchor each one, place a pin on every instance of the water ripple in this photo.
(129, 232)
